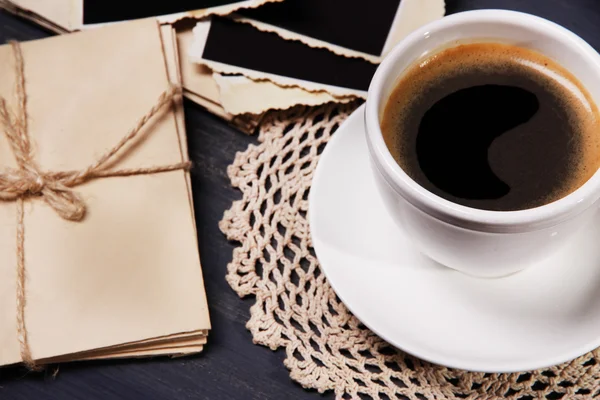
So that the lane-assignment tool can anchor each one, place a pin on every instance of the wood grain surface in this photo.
(231, 367)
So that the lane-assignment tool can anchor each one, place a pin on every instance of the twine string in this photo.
(28, 180)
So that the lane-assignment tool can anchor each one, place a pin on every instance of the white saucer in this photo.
(545, 315)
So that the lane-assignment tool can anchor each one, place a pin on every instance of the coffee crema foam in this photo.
(531, 119)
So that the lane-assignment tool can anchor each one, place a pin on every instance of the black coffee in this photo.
(494, 127)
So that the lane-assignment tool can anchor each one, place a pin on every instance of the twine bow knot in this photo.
(28, 180)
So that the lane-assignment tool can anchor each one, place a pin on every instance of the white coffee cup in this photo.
(479, 242)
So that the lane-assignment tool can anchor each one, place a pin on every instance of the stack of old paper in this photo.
(126, 280)
(269, 54)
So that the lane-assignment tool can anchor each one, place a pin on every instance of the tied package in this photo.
(100, 255)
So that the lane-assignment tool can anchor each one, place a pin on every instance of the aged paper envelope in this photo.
(346, 27)
(130, 270)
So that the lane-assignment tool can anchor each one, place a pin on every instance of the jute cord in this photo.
(295, 309)
(29, 181)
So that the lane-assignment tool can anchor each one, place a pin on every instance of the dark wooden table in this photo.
(231, 367)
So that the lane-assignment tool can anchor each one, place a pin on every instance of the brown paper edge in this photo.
(172, 352)
(172, 62)
(174, 349)
(145, 346)
(171, 56)
(219, 10)
(238, 95)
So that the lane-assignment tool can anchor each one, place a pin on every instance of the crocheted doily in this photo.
(327, 348)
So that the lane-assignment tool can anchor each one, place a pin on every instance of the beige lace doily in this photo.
(327, 348)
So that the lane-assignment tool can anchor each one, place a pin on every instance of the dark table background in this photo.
(231, 367)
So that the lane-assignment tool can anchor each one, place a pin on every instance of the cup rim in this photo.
(471, 218)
